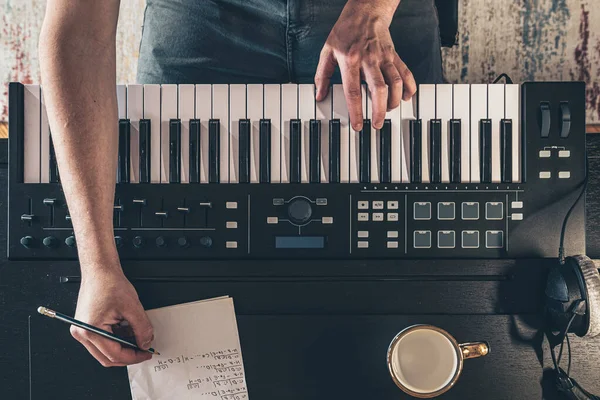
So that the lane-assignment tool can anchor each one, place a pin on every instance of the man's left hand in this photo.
(361, 45)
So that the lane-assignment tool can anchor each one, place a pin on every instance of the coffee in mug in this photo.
(426, 361)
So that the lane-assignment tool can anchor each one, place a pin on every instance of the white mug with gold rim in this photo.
(426, 361)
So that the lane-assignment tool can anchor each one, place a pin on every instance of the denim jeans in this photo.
(267, 41)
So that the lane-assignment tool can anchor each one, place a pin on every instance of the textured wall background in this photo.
(528, 39)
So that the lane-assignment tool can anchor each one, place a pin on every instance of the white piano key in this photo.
(237, 111)
(340, 111)
(478, 112)
(306, 112)
(31, 133)
(512, 111)
(273, 112)
(44, 144)
(122, 101)
(408, 112)
(324, 114)
(220, 111)
(168, 111)
(121, 108)
(255, 111)
(496, 113)
(187, 100)
(135, 112)
(443, 98)
(204, 114)
(396, 154)
(375, 142)
(289, 110)
(152, 112)
(355, 141)
(426, 114)
(461, 105)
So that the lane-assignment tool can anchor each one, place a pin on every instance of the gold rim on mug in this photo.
(463, 351)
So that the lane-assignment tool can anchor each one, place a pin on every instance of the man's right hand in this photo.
(107, 298)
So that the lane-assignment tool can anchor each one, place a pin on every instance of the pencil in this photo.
(65, 318)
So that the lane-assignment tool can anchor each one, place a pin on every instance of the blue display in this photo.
(299, 242)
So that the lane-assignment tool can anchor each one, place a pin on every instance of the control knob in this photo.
(300, 211)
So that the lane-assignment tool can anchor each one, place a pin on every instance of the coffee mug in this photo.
(426, 361)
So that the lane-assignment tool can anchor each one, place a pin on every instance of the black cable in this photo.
(506, 78)
(561, 247)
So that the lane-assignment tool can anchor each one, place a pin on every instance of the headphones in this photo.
(572, 306)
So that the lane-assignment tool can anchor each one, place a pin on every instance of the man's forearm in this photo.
(78, 76)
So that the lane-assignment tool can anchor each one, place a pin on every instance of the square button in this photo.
(494, 239)
(231, 245)
(363, 205)
(363, 234)
(494, 210)
(446, 211)
(392, 217)
(470, 211)
(392, 234)
(516, 204)
(564, 153)
(470, 239)
(363, 216)
(422, 239)
(446, 239)
(327, 220)
(377, 216)
(378, 205)
(392, 205)
(362, 244)
(392, 245)
(422, 211)
(231, 205)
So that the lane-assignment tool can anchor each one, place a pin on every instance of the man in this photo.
(202, 41)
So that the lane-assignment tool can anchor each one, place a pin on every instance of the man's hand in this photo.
(361, 44)
(106, 298)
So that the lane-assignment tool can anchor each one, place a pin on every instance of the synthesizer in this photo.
(266, 172)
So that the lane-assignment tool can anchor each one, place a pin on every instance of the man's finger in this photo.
(379, 95)
(351, 83)
(116, 353)
(325, 70)
(394, 81)
(142, 328)
(408, 80)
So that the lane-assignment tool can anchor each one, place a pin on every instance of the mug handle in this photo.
(474, 349)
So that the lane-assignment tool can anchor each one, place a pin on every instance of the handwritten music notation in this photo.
(202, 360)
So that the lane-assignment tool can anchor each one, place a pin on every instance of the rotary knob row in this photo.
(52, 242)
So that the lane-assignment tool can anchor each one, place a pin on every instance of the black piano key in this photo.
(415, 150)
(174, 151)
(214, 150)
(124, 145)
(195, 151)
(244, 150)
(385, 158)
(265, 151)
(364, 141)
(435, 150)
(506, 150)
(315, 151)
(54, 176)
(334, 150)
(295, 143)
(485, 150)
(455, 150)
(145, 128)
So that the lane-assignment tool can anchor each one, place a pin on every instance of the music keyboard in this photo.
(264, 171)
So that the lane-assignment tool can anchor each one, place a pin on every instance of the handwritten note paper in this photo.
(200, 354)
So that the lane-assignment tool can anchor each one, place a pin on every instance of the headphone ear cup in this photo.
(591, 279)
